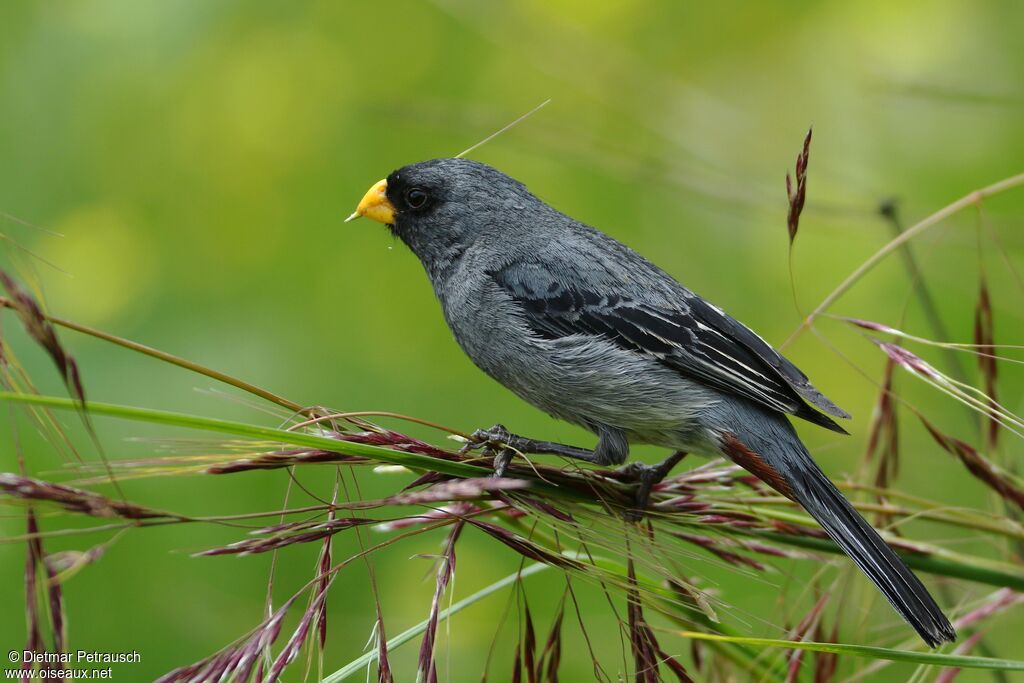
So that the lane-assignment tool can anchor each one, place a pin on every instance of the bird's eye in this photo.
(416, 197)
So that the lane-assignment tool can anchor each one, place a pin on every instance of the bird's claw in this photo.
(497, 442)
(491, 438)
(501, 461)
(646, 478)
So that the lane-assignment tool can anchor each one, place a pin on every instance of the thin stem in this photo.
(379, 413)
(937, 658)
(890, 212)
(175, 360)
(369, 658)
(314, 414)
(897, 242)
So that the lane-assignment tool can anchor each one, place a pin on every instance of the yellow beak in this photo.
(375, 205)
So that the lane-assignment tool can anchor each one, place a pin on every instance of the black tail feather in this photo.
(851, 532)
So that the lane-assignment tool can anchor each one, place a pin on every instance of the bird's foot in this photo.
(497, 442)
(488, 439)
(503, 445)
(646, 477)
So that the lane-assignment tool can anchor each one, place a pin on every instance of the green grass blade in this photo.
(869, 652)
(1002, 576)
(942, 566)
(357, 665)
(414, 461)
(295, 438)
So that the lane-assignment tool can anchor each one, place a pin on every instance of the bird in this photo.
(586, 329)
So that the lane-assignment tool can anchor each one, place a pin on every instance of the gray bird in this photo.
(587, 330)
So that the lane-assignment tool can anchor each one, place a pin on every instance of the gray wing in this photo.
(689, 335)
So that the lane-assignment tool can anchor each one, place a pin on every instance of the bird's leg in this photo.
(646, 477)
(503, 445)
(501, 461)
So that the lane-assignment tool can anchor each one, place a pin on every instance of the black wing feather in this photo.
(691, 336)
(749, 340)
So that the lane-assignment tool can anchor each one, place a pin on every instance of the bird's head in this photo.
(440, 207)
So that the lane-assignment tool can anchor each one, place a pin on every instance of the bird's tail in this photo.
(819, 496)
(785, 464)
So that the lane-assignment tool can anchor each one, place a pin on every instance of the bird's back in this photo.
(577, 282)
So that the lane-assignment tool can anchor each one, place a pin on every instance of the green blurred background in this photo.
(198, 159)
